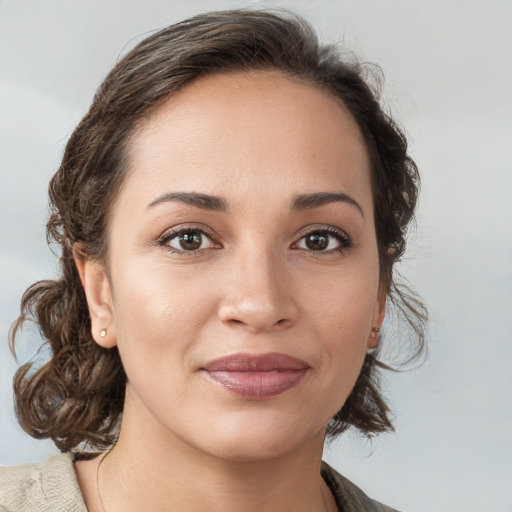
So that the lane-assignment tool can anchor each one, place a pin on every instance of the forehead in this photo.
(244, 132)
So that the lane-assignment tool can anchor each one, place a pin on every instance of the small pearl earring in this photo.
(104, 332)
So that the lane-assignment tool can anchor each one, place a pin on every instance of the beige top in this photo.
(52, 486)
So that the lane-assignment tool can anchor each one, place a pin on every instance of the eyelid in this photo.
(344, 240)
(174, 231)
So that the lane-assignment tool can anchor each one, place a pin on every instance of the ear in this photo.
(379, 312)
(96, 285)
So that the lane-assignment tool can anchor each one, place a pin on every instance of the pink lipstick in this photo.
(257, 377)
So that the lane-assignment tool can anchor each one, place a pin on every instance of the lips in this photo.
(257, 377)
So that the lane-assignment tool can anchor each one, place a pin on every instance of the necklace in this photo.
(103, 457)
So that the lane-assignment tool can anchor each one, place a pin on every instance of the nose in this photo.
(258, 293)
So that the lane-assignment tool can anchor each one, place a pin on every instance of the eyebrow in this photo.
(204, 201)
(317, 199)
(219, 204)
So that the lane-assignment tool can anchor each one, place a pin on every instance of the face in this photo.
(242, 278)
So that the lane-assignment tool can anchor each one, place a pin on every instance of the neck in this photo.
(150, 469)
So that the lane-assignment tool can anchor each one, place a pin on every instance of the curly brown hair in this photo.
(77, 396)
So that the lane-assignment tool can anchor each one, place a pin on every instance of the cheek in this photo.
(343, 301)
(340, 310)
(158, 315)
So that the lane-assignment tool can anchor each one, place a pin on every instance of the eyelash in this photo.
(163, 241)
(344, 240)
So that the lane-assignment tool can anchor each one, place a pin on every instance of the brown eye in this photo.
(325, 240)
(188, 240)
(317, 241)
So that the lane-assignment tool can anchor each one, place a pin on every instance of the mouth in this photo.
(257, 377)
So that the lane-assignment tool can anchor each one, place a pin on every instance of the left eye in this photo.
(189, 240)
(323, 241)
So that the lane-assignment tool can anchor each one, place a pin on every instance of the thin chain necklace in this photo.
(103, 457)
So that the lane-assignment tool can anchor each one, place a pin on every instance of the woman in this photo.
(229, 212)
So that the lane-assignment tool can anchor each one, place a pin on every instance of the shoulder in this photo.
(50, 485)
(348, 496)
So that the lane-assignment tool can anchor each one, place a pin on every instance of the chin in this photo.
(259, 439)
(248, 450)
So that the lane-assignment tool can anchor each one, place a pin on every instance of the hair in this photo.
(76, 397)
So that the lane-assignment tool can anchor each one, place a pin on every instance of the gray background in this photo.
(448, 79)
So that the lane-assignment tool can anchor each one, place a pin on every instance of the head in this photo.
(214, 52)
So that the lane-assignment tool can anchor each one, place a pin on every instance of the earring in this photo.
(104, 332)
(375, 332)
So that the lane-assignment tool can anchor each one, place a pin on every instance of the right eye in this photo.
(187, 241)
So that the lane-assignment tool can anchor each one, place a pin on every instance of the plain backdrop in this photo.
(448, 80)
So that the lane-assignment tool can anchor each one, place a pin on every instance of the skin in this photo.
(254, 286)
